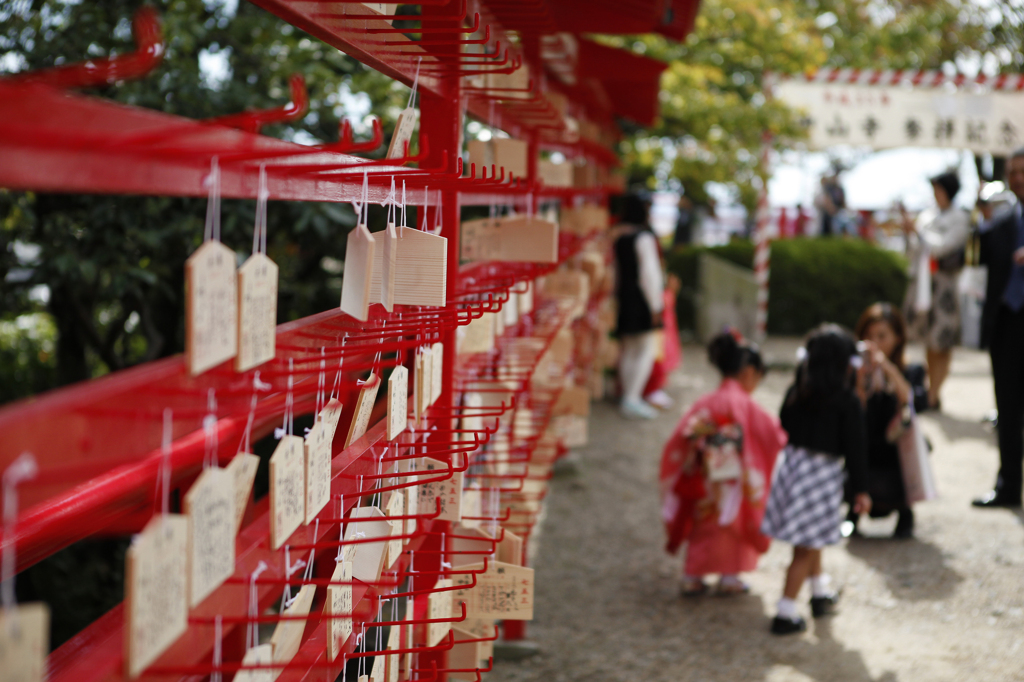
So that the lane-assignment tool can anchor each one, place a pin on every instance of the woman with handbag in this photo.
(935, 249)
(890, 392)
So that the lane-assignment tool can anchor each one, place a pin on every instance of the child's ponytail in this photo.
(730, 353)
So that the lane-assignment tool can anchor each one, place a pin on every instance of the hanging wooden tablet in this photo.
(317, 451)
(528, 239)
(479, 628)
(156, 590)
(479, 240)
(388, 248)
(377, 671)
(339, 603)
(404, 128)
(211, 307)
(525, 300)
(510, 549)
(502, 592)
(385, 8)
(472, 505)
(449, 491)
(511, 155)
(287, 635)
(24, 642)
(424, 380)
(361, 418)
(367, 557)
(421, 273)
(464, 656)
(395, 507)
(210, 507)
(355, 285)
(257, 312)
(287, 489)
(242, 468)
(436, 371)
(394, 644)
(398, 401)
(439, 606)
(258, 655)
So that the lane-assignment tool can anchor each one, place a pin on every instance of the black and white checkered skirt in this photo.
(803, 506)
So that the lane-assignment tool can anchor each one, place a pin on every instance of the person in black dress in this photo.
(887, 389)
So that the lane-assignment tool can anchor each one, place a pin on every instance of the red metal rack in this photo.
(98, 469)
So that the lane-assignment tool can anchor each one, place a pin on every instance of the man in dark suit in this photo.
(1002, 330)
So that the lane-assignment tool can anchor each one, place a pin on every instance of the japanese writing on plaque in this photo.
(287, 489)
(156, 589)
(257, 312)
(24, 645)
(211, 307)
(339, 607)
(449, 491)
(318, 468)
(210, 507)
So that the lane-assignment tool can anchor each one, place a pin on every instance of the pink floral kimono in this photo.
(715, 473)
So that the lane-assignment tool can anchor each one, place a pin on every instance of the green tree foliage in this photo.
(114, 266)
(714, 112)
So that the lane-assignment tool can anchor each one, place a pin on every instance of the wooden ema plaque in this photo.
(477, 336)
(287, 635)
(394, 644)
(257, 312)
(367, 557)
(479, 628)
(404, 128)
(339, 603)
(421, 273)
(211, 307)
(355, 284)
(510, 549)
(398, 402)
(210, 507)
(317, 450)
(156, 590)
(439, 606)
(424, 381)
(287, 489)
(395, 507)
(389, 265)
(515, 238)
(412, 499)
(464, 655)
(449, 492)
(25, 642)
(503, 592)
(436, 371)
(242, 468)
(377, 670)
(258, 655)
(472, 505)
(364, 406)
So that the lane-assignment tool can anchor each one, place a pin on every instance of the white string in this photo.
(426, 202)
(437, 214)
(341, 529)
(415, 84)
(289, 568)
(404, 223)
(321, 384)
(259, 233)
(165, 462)
(244, 445)
(252, 633)
(21, 469)
(212, 229)
(391, 202)
(210, 430)
(216, 676)
(289, 403)
(337, 375)
(307, 575)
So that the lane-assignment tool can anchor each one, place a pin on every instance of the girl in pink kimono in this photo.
(715, 473)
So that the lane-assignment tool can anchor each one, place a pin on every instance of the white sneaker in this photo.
(637, 409)
(659, 399)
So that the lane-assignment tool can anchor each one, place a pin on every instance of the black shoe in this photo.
(785, 626)
(905, 525)
(824, 606)
(995, 499)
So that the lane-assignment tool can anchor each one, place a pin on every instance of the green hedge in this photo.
(812, 280)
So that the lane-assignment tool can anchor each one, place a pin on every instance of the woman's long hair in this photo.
(824, 373)
(890, 315)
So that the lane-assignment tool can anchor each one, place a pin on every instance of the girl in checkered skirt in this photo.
(825, 422)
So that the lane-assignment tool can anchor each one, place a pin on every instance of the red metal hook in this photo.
(148, 52)
(252, 121)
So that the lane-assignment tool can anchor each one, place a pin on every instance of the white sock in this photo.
(731, 580)
(787, 609)
(819, 585)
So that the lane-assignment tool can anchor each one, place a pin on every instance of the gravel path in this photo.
(948, 605)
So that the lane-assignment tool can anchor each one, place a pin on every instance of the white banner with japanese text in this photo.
(900, 116)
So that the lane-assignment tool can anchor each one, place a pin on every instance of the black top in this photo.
(998, 241)
(834, 426)
(634, 313)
